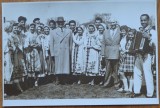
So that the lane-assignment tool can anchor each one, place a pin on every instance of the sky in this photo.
(127, 12)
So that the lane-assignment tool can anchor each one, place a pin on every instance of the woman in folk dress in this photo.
(7, 64)
(32, 56)
(78, 56)
(16, 53)
(37, 44)
(102, 69)
(46, 51)
(92, 53)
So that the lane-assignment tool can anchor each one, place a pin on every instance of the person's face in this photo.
(123, 32)
(60, 24)
(144, 21)
(22, 23)
(91, 29)
(15, 29)
(39, 30)
(79, 31)
(113, 25)
(130, 34)
(37, 21)
(97, 23)
(101, 29)
(72, 26)
(32, 28)
(46, 31)
(52, 25)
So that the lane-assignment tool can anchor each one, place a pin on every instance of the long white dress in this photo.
(32, 56)
(7, 64)
(41, 41)
(47, 55)
(78, 55)
(92, 54)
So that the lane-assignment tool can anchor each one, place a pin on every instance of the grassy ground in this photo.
(52, 91)
(70, 91)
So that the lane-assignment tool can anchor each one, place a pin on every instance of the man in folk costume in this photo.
(61, 48)
(144, 59)
(110, 52)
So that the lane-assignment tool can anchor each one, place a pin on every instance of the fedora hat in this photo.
(60, 19)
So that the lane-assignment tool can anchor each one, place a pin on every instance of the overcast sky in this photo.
(127, 13)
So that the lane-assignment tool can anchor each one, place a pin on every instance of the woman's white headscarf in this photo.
(95, 33)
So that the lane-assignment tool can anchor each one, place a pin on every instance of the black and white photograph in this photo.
(80, 53)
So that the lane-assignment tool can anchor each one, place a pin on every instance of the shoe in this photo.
(133, 95)
(91, 83)
(128, 93)
(149, 96)
(120, 90)
(79, 82)
(116, 85)
(107, 83)
(21, 90)
(101, 83)
(36, 84)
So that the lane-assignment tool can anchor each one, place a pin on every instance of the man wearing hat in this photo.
(110, 51)
(60, 47)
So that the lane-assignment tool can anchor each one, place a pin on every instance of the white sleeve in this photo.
(153, 37)
(122, 44)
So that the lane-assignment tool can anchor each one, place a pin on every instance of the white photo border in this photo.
(79, 102)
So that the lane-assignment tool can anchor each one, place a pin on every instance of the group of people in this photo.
(65, 52)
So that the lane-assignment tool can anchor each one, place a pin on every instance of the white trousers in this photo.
(146, 71)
